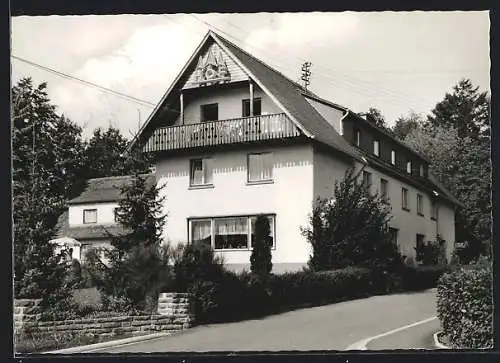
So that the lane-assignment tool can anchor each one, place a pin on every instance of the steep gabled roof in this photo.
(287, 94)
(107, 189)
(291, 98)
(86, 232)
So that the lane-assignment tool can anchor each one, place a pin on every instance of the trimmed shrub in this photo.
(414, 278)
(260, 259)
(465, 306)
(195, 262)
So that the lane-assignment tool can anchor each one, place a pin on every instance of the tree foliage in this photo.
(261, 258)
(45, 174)
(458, 147)
(135, 262)
(465, 109)
(406, 124)
(106, 155)
(375, 116)
(351, 229)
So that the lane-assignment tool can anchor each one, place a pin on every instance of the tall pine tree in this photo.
(133, 272)
(46, 159)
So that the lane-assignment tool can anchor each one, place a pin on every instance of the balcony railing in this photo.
(246, 129)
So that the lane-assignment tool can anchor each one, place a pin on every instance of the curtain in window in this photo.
(196, 172)
(231, 233)
(201, 232)
(260, 167)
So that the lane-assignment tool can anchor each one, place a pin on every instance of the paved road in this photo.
(330, 327)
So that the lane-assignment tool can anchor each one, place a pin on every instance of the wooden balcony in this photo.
(232, 131)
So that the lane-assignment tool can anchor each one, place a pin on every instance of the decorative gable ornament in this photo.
(212, 67)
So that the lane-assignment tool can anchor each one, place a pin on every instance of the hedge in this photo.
(246, 295)
(465, 306)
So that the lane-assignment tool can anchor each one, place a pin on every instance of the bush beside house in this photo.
(465, 306)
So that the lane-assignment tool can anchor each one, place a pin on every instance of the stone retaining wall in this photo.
(174, 314)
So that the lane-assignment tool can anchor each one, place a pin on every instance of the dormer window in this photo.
(376, 147)
(393, 157)
(408, 166)
(421, 171)
(358, 138)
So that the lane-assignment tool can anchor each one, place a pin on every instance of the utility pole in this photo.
(306, 73)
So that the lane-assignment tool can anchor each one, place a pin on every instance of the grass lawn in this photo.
(61, 341)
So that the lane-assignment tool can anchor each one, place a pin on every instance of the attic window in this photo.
(257, 107)
(358, 138)
(421, 171)
(393, 157)
(209, 112)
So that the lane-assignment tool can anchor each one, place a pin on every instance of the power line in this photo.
(327, 73)
(87, 83)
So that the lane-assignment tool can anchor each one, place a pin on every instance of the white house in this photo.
(234, 138)
(91, 216)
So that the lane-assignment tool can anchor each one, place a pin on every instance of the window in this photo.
(419, 247)
(210, 112)
(257, 107)
(408, 166)
(260, 167)
(420, 204)
(201, 172)
(358, 138)
(393, 157)
(231, 233)
(421, 171)
(89, 216)
(434, 210)
(384, 189)
(404, 199)
(227, 232)
(367, 179)
(376, 147)
(393, 232)
(115, 213)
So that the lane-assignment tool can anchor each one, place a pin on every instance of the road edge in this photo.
(361, 344)
(437, 343)
(109, 344)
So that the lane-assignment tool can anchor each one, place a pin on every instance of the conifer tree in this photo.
(261, 258)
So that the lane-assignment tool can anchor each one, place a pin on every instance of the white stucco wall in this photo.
(329, 113)
(230, 103)
(328, 168)
(446, 226)
(409, 223)
(289, 197)
(105, 213)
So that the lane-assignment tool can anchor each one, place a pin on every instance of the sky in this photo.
(393, 61)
